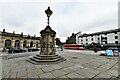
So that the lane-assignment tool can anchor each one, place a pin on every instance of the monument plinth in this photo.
(47, 50)
(47, 41)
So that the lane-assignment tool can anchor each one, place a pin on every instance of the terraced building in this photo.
(10, 40)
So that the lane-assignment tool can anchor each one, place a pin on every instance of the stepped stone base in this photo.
(43, 59)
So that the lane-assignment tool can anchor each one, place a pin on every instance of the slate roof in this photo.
(19, 35)
(102, 32)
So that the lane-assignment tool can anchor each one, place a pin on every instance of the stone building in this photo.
(11, 40)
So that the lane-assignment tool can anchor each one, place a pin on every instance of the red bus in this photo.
(73, 46)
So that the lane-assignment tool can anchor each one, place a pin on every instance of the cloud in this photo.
(70, 16)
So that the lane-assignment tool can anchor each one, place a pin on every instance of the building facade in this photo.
(119, 19)
(11, 40)
(0, 38)
(77, 35)
(103, 37)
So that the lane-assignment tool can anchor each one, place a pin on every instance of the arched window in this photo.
(31, 44)
(17, 44)
(24, 44)
(8, 43)
(37, 44)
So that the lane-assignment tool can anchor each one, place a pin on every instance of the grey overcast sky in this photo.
(69, 16)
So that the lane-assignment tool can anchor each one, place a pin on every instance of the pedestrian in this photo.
(61, 47)
(95, 48)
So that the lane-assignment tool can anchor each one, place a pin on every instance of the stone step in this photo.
(45, 60)
(49, 62)
(47, 57)
(61, 60)
(31, 61)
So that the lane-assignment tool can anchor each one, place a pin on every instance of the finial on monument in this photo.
(48, 13)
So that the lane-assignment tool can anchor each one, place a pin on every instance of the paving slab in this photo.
(29, 75)
(62, 77)
(58, 73)
(66, 64)
(22, 73)
(46, 75)
(13, 75)
(93, 71)
(38, 71)
(56, 66)
(85, 73)
(34, 79)
(113, 72)
(47, 69)
(68, 70)
(78, 65)
(103, 68)
(104, 75)
(74, 75)
(36, 76)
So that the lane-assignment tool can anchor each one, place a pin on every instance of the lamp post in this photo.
(48, 13)
(47, 45)
(48, 37)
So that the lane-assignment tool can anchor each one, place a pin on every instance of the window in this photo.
(105, 33)
(116, 37)
(81, 40)
(86, 43)
(106, 42)
(98, 38)
(86, 39)
(115, 32)
(91, 39)
(116, 42)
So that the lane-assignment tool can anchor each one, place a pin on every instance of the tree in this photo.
(58, 42)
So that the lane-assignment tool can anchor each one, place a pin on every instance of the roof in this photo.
(19, 35)
(102, 32)
(47, 30)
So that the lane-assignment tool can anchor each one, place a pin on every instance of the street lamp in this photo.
(48, 13)
(47, 51)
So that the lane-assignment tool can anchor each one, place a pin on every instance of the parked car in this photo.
(33, 49)
(16, 50)
(110, 51)
(103, 53)
(1, 49)
(26, 49)
(119, 49)
(115, 51)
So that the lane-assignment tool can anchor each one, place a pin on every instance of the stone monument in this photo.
(47, 51)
